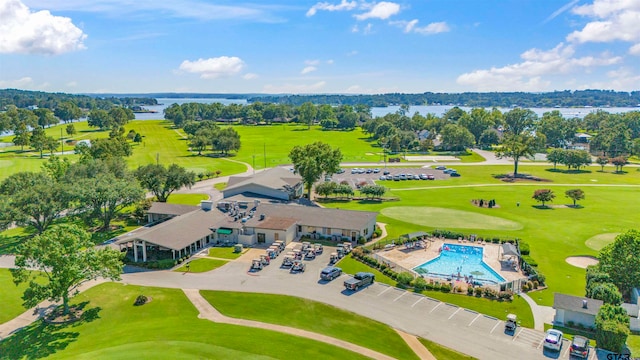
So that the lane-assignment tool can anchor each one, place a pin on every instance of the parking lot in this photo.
(421, 308)
(372, 176)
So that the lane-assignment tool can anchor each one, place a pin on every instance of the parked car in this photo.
(454, 174)
(553, 340)
(441, 167)
(330, 272)
(431, 177)
(579, 347)
(423, 177)
(376, 170)
(327, 178)
(354, 171)
(403, 176)
(447, 171)
(359, 280)
(382, 177)
(390, 177)
(511, 323)
(369, 171)
(396, 177)
(386, 172)
(340, 171)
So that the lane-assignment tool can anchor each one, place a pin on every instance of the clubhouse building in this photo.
(255, 211)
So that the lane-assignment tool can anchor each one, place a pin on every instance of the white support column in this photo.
(173, 253)
(135, 251)
(144, 251)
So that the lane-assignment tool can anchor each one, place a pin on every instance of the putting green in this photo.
(448, 218)
(601, 240)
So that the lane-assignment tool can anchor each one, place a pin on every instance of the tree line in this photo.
(567, 98)
(41, 99)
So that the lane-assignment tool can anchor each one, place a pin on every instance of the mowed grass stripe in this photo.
(312, 316)
(448, 218)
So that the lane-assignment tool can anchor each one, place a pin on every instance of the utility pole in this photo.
(61, 141)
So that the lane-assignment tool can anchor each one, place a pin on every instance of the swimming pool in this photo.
(460, 259)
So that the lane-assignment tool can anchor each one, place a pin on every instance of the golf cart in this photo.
(297, 254)
(347, 247)
(264, 259)
(306, 245)
(317, 248)
(287, 261)
(310, 255)
(272, 253)
(511, 323)
(333, 258)
(256, 265)
(340, 251)
(298, 266)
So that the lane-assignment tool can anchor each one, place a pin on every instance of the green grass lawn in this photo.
(12, 238)
(224, 252)
(553, 234)
(165, 328)
(312, 316)
(201, 265)
(471, 157)
(633, 342)
(186, 199)
(220, 186)
(599, 241)
(161, 143)
(11, 297)
(443, 353)
(489, 307)
(278, 140)
(448, 218)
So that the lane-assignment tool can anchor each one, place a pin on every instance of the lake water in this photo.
(437, 110)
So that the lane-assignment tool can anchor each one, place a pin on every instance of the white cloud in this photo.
(613, 20)
(635, 49)
(410, 26)
(357, 89)
(308, 69)
(368, 29)
(561, 10)
(344, 5)
(25, 32)
(382, 10)
(527, 75)
(250, 76)
(190, 9)
(294, 89)
(214, 68)
(17, 83)
(312, 62)
(622, 79)
(352, 53)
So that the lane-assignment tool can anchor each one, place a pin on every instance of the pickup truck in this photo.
(359, 280)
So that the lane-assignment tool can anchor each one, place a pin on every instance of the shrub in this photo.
(141, 300)
(541, 278)
(362, 240)
(478, 291)
(529, 260)
(445, 288)
(436, 287)
(419, 284)
(457, 289)
(489, 293)
(470, 291)
(505, 296)
(525, 287)
(404, 278)
(524, 248)
(571, 324)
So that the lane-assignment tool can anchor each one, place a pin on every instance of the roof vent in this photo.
(584, 304)
(262, 217)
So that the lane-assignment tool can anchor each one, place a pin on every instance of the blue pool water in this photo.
(463, 259)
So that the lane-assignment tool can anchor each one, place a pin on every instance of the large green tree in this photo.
(612, 328)
(226, 140)
(478, 121)
(313, 160)
(543, 195)
(307, 113)
(163, 181)
(68, 111)
(519, 146)
(35, 199)
(456, 137)
(64, 255)
(621, 261)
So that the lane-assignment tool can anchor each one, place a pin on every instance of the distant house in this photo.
(575, 309)
(184, 230)
(276, 183)
(582, 310)
(583, 138)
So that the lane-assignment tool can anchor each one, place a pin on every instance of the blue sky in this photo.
(335, 46)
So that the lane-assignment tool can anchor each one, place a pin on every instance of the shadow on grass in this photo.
(563, 171)
(542, 207)
(621, 172)
(333, 200)
(9, 244)
(299, 129)
(101, 236)
(40, 339)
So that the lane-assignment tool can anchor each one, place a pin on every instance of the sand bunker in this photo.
(581, 261)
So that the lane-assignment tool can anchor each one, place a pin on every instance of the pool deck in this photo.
(410, 258)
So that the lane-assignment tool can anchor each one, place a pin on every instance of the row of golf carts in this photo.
(293, 259)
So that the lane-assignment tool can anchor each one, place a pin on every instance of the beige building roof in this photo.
(275, 178)
(170, 209)
(313, 216)
(182, 231)
(277, 223)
